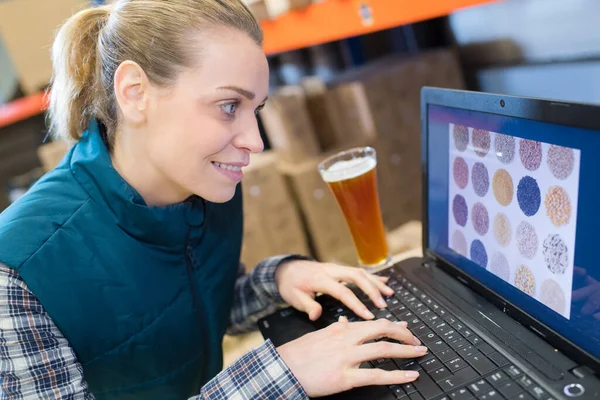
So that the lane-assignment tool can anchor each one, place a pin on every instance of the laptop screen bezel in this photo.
(578, 115)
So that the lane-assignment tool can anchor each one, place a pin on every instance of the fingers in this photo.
(383, 349)
(381, 285)
(372, 377)
(592, 305)
(346, 296)
(371, 330)
(307, 304)
(367, 283)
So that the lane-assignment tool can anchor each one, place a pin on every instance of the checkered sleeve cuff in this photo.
(259, 374)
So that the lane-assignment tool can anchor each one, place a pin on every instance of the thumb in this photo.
(306, 303)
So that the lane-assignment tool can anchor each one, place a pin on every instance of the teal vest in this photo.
(142, 294)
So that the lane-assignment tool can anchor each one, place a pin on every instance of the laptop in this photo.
(506, 296)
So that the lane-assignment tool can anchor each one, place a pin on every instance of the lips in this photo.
(228, 167)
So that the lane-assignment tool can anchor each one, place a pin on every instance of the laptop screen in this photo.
(514, 203)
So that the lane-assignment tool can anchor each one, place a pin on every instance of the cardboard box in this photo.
(288, 125)
(275, 8)
(52, 153)
(258, 9)
(27, 28)
(399, 182)
(327, 228)
(272, 222)
(320, 112)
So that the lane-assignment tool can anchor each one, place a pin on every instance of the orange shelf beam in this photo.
(22, 109)
(338, 19)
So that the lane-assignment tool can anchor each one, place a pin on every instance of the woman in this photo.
(120, 267)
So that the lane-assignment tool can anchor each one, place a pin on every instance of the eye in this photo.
(259, 108)
(229, 108)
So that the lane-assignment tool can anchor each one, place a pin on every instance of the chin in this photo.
(219, 195)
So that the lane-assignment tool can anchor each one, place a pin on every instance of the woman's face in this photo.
(202, 130)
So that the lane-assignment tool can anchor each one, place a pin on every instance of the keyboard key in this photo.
(498, 379)
(525, 382)
(440, 374)
(486, 349)
(458, 343)
(415, 396)
(412, 320)
(442, 328)
(388, 366)
(431, 365)
(481, 364)
(468, 351)
(398, 392)
(450, 319)
(435, 306)
(538, 393)
(425, 358)
(456, 364)
(437, 346)
(429, 301)
(459, 326)
(510, 389)
(491, 395)
(421, 331)
(498, 359)
(427, 387)
(400, 313)
(523, 396)
(513, 371)
(392, 301)
(461, 377)
(407, 365)
(450, 335)
(408, 388)
(379, 361)
(379, 314)
(424, 313)
(461, 394)
(475, 340)
(430, 338)
(467, 332)
(446, 355)
(433, 320)
(480, 387)
(442, 313)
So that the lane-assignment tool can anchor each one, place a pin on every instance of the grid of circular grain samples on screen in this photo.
(512, 210)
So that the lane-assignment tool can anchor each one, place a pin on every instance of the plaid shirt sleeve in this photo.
(37, 362)
(256, 294)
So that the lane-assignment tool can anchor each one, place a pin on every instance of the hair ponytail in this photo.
(75, 82)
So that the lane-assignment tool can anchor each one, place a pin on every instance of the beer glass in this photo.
(351, 176)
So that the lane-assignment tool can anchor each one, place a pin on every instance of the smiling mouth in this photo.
(227, 167)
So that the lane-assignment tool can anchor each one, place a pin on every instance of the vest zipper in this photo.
(197, 303)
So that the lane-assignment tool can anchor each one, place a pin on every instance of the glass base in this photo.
(386, 262)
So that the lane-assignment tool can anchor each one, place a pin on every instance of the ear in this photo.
(131, 92)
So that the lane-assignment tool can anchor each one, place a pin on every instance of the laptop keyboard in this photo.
(460, 365)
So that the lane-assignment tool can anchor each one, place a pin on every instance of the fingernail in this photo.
(411, 374)
(369, 314)
(403, 324)
(417, 341)
(389, 290)
(381, 303)
(420, 349)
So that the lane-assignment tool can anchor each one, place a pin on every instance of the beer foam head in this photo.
(348, 169)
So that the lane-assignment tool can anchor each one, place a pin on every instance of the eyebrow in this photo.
(246, 93)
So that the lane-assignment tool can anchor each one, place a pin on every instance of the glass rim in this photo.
(343, 153)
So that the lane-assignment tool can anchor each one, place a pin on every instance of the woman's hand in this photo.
(327, 361)
(299, 281)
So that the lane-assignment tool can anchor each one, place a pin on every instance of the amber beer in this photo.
(351, 176)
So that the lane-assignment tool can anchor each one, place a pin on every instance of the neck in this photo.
(132, 163)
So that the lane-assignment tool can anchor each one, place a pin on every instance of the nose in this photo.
(249, 138)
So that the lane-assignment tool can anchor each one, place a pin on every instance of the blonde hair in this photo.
(155, 34)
